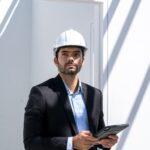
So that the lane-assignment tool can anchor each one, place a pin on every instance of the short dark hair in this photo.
(82, 50)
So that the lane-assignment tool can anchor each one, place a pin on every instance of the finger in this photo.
(88, 135)
(113, 137)
(89, 142)
(87, 147)
(86, 132)
(108, 143)
(104, 141)
(113, 140)
(90, 138)
(107, 146)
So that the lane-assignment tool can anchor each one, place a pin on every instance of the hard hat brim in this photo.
(58, 48)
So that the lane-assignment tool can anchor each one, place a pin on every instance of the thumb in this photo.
(87, 133)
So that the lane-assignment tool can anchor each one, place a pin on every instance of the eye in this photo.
(76, 55)
(64, 54)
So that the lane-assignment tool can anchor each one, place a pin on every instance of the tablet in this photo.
(110, 130)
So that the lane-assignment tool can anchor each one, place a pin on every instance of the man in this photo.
(63, 113)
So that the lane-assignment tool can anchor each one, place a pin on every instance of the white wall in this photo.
(127, 53)
(14, 76)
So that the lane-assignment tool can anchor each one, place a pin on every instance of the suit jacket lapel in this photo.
(88, 99)
(66, 104)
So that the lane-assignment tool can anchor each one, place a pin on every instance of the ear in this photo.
(56, 61)
(82, 61)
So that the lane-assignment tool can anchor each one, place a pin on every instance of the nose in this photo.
(70, 59)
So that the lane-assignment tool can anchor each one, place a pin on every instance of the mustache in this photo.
(70, 63)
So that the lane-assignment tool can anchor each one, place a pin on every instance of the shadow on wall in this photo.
(109, 15)
(135, 108)
(113, 58)
(121, 38)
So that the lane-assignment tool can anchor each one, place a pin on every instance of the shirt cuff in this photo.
(69, 143)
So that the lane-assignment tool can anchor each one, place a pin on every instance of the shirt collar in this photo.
(78, 90)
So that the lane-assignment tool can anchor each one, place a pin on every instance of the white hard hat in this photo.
(69, 38)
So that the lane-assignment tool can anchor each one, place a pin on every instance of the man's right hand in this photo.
(84, 140)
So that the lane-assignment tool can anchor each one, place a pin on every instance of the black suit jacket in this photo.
(49, 120)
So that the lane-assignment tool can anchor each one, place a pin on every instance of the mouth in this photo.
(70, 66)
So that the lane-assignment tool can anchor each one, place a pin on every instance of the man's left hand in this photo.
(108, 142)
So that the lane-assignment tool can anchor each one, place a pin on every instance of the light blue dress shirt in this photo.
(79, 111)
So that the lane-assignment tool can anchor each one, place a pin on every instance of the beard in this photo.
(69, 70)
